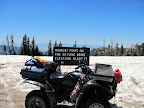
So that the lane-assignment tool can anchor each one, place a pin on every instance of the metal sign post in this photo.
(71, 55)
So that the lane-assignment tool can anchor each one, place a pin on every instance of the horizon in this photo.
(91, 21)
(44, 46)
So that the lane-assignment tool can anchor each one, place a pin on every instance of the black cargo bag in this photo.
(51, 67)
(103, 72)
(33, 73)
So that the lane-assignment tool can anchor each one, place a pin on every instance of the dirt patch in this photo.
(134, 81)
(2, 66)
(3, 96)
(1, 85)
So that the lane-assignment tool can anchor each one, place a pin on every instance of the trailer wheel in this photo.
(97, 103)
(37, 99)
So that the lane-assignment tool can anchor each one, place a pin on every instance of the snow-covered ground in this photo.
(130, 92)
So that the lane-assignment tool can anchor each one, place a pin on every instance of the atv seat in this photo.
(57, 77)
(68, 79)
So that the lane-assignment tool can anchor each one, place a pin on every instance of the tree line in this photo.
(10, 46)
(30, 48)
(27, 47)
(110, 50)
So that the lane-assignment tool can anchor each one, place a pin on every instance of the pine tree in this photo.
(15, 53)
(55, 44)
(28, 46)
(12, 45)
(37, 51)
(23, 50)
(139, 50)
(142, 49)
(4, 48)
(116, 49)
(33, 47)
(121, 50)
(60, 44)
(9, 50)
(74, 44)
(50, 48)
(108, 50)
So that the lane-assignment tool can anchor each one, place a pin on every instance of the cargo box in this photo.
(29, 64)
(33, 73)
(103, 72)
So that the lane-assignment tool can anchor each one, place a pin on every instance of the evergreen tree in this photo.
(116, 49)
(33, 47)
(15, 53)
(28, 46)
(139, 50)
(55, 45)
(50, 48)
(37, 51)
(9, 50)
(74, 44)
(4, 48)
(23, 50)
(108, 50)
(12, 45)
(121, 50)
(60, 44)
(142, 49)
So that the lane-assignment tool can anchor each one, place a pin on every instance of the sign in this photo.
(71, 55)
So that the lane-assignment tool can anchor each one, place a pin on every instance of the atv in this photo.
(84, 88)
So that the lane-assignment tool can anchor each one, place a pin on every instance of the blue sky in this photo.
(69, 20)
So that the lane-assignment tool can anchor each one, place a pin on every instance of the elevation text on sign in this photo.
(70, 55)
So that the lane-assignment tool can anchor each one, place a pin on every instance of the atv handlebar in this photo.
(84, 67)
(79, 66)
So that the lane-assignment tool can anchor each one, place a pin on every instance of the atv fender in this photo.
(48, 90)
(95, 84)
(34, 83)
(92, 83)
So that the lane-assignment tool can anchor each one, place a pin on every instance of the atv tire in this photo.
(97, 103)
(37, 99)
